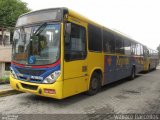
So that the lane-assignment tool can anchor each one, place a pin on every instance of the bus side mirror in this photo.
(68, 27)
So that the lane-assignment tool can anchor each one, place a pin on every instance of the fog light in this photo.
(40, 91)
(49, 91)
(17, 86)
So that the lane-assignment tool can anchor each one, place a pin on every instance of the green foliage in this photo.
(4, 79)
(10, 10)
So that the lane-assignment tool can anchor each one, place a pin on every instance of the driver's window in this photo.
(75, 45)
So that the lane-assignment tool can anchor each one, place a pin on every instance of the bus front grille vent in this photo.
(31, 72)
(30, 87)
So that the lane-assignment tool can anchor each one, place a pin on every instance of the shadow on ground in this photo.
(75, 98)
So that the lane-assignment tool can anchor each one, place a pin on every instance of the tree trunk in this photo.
(11, 36)
(3, 42)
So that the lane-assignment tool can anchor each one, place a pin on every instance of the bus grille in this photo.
(30, 87)
(31, 72)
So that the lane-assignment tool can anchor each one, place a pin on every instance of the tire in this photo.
(95, 84)
(133, 73)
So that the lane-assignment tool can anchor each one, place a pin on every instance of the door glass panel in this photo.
(75, 45)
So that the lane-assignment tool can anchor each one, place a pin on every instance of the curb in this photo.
(3, 83)
(8, 92)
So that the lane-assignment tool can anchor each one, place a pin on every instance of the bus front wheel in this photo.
(95, 84)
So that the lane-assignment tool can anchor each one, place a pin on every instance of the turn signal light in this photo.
(49, 91)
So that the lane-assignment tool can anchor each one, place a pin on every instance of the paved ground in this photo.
(5, 86)
(141, 95)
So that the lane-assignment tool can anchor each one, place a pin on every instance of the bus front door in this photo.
(75, 57)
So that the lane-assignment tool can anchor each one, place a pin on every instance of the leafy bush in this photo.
(4, 79)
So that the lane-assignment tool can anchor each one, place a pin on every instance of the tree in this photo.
(158, 48)
(10, 10)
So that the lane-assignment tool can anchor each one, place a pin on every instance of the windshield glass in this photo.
(36, 45)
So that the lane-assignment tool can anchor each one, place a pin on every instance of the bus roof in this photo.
(62, 8)
(83, 18)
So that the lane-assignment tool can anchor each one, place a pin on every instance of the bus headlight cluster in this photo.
(52, 77)
(13, 73)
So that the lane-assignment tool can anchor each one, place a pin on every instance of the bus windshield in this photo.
(36, 45)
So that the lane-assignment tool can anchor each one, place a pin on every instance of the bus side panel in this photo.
(75, 80)
(153, 63)
(74, 86)
(146, 64)
(116, 67)
(139, 63)
(95, 61)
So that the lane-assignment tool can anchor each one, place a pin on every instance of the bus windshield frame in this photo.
(29, 36)
(40, 16)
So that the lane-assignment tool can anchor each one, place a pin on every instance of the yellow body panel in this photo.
(96, 61)
(146, 64)
(82, 18)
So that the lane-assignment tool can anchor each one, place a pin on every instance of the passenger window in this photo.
(108, 42)
(75, 45)
(142, 53)
(127, 47)
(138, 47)
(133, 48)
(94, 38)
(119, 44)
(145, 52)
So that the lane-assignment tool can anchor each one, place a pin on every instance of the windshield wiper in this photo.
(40, 29)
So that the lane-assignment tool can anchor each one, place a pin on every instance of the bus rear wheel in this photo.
(95, 84)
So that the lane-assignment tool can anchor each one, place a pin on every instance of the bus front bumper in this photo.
(47, 90)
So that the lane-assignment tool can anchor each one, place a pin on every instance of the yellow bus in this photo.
(151, 59)
(58, 53)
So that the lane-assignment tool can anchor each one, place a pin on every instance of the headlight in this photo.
(52, 77)
(13, 73)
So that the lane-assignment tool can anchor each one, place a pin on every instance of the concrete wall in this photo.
(1, 70)
(3, 73)
(6, 37)
(5, 56)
